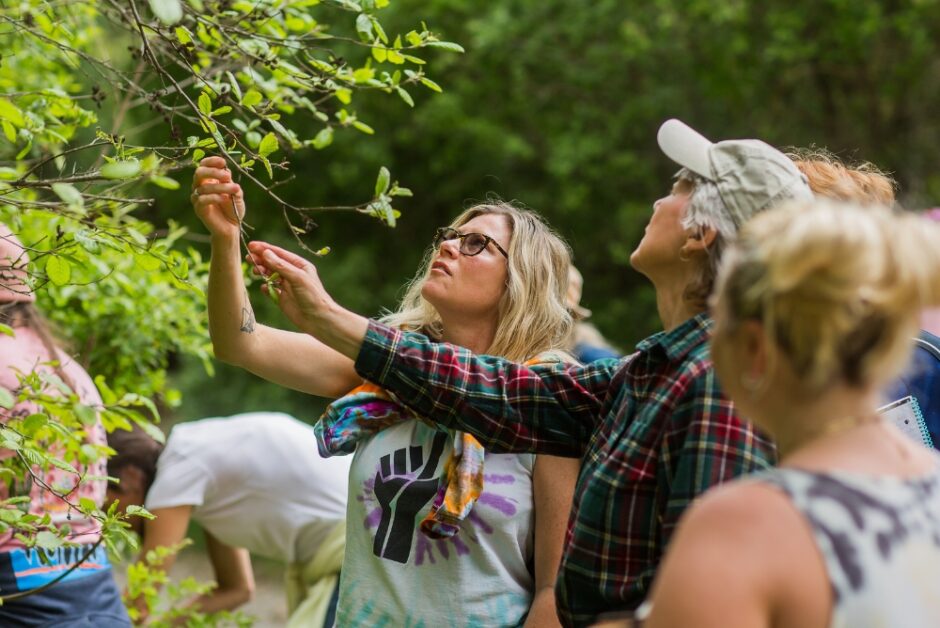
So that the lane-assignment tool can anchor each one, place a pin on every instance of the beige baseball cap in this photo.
(13, 261)
(750, 174)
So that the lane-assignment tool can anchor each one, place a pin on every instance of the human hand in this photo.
(216, 198)
(300, 293)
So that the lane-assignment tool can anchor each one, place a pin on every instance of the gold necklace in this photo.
(844, 424)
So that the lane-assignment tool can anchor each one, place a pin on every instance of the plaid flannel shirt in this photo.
(654, 431)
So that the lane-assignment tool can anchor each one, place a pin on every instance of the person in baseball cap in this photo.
(653, 430)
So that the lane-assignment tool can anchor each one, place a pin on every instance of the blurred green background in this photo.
(556, 104)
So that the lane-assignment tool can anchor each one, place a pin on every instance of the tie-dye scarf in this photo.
(369, 409)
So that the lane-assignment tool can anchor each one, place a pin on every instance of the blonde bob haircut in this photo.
(837, 289)
(533, 312)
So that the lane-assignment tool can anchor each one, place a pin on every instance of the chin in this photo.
(636, 260)
(433, 292)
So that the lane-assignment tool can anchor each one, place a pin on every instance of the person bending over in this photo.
(254, 483)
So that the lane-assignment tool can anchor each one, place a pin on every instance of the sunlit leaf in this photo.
(121, 169)
(268, 145)
(167, 11)
(59, 270)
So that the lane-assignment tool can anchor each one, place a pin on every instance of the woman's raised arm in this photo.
(290, 359)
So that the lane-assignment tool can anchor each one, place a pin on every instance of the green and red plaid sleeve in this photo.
(509, 407)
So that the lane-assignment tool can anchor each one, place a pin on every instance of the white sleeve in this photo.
(181, 481)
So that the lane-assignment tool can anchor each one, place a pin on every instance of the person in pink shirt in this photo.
(48, 591)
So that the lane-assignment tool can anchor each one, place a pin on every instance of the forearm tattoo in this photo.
(248, 317)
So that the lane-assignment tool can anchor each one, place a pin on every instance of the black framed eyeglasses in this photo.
(470, 243)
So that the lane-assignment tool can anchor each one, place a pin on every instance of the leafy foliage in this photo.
(102, 105)
(151, 594)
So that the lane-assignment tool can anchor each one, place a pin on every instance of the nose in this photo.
(450, 248)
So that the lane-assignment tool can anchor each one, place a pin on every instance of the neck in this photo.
(798, 423)
(473, 334)
(672, 305)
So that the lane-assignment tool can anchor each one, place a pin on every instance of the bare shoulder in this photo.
(736, 520)
(744, 546)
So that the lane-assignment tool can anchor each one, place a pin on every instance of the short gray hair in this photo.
(706, 210)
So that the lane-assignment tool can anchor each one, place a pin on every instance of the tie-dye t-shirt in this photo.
(394, 575)
(880, 540)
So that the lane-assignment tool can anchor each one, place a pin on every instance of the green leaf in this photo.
(364, 26)
(165, 182)
(152, 430)
(236, 89)
(167, 11)
(365, 128)
(446, 45)
(406, 96)
(398, 191)
(70, 194)
(204, 103)
(59, 270)
(413, 38)
(87, 504)
(183, 35)
(382, 182)
(268, 145)
(121, 169)
(344, 95)
(9, 131)
(430, 84)
(6, 399)
(148, 261)
(252, 97)
(86, 414)
(9, 111)
(48, 540)
(34, 422)
(379, 54)
(267, 166)
(6, 330)
(324, 138)
(139, 511)
(107, 395)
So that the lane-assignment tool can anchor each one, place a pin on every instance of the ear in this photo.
(698, 242)
(753, 351)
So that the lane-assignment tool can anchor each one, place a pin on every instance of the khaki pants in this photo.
(310, 585)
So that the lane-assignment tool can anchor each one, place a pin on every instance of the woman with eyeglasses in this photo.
(439, 531)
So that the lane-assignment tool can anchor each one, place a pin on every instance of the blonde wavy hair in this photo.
(829, 177)
(533, 313)
(837, 288)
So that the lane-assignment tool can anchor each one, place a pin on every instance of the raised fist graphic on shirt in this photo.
(404, 484)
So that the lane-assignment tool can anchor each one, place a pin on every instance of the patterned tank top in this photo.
(880, 540)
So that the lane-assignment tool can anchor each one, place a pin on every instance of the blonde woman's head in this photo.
(829, 177)
(836, 291)
(518, 281)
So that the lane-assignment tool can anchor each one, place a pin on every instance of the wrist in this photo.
(223, 241)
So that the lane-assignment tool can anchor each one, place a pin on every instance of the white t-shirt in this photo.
(394, 575)
(255, 481)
